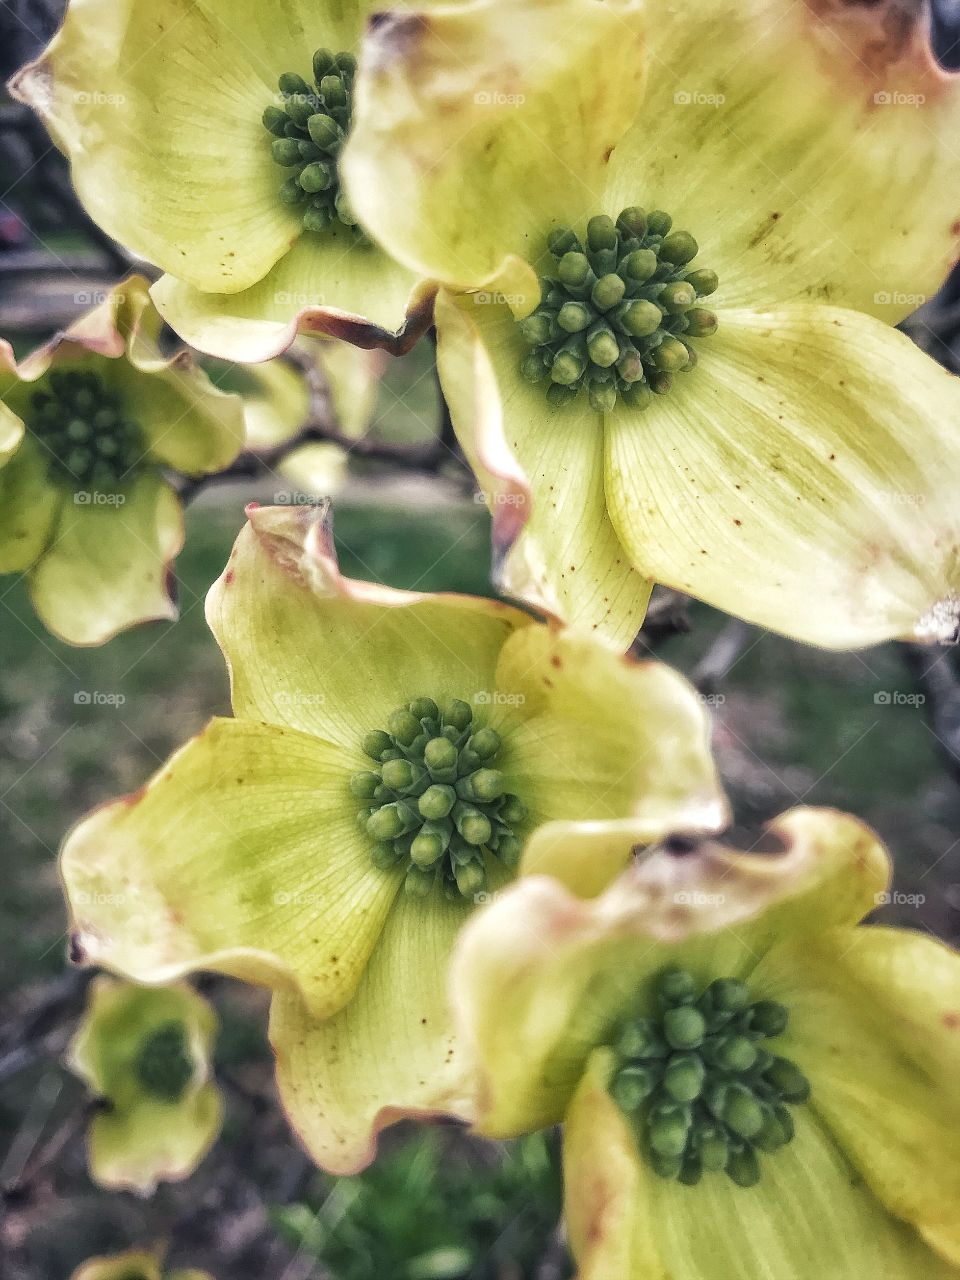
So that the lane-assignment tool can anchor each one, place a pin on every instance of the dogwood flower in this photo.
(391, 752)
(206, 139)
(664, 246)
(134, 1264)
(144, 1052)
(753, 1083)
(90, 421)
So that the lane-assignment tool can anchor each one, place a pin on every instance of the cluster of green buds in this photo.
(618, 315)
(163, 1064)
(436, 804)
(309, 131)
(80, 424)
(704, 1093)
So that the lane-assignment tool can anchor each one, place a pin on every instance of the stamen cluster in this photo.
(704, 1093)
(309, 130)
(163, 1064)
(82, 428)
(618, 315)
(436, 804)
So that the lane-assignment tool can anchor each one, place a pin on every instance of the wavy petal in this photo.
(808, 1217)
(107, 566)
(28, 508)
(391, 1054)
(800, 477)
(241, 855)
(713, 910)
(311, 649)
(540, 471)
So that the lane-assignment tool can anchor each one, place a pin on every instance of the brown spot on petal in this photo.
(951, 1021)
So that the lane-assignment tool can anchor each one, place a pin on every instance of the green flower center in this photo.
(163, 1065)
(81, 425)
(308, 132)
(702, 1091)
(619, 314)
(436, 804)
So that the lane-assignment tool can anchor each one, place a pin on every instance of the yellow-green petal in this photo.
(28, 508)
(477, 128)
(801, 477)
(713, 910)
(391, 1053)
(132, 1264)
(809, 1216)
(316, 651)
(107, 565)
(809, 148)
(540, 471)
(140, 1139)
(599, 736)
(875, 1025)
(241, 855)
(326, 284)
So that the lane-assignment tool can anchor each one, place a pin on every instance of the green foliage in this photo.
(435, 1208)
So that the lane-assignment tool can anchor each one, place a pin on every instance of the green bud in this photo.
(700, 322)
(607, 292)
(457, 714)
(676, 986)
(473, 825)
(601, 233)
(666, 1166)
(660, 382)
(743, 1167)
(558, 395)
(603, 346)
(562, 240)
(471, 878)
(398, 774)
(677, 297)
(78, 431)
(486, 743)
(301, 107)
(669, 1129)
(670, 356)
(640, 318)
(386, 823)
(632, 1086)
(735, 1053)
(324, 131)
(567, 368)
(704, 281)
(684, 1077)
(691, 1171)
(659, 223)
(316, 219)
(285, 151)
(603, 396)
(770, 1136)
(785, 1120)
(639, 1039)
(275, 120)
(332, 91)
(574, 317)
(440, 755)
(344, 211)
(684, 1027)
(638, 396)
(384, 856)
(639, 266)
(574, 269)
(742, 1112)
(363, 785)
(633, 222)
(536, 329)
(488, 785)
(346, 64)
(316, 177)
(630, 366)
(323, 64)
(437, 801)
(427, 848)
(291, 84)
(679, 248)
(291, 192)
(308, 151)
(509, 850)
(425, 709)
(769, 1018)
(419, 881)
(533, 367)
(404, 726)
(789, 1081)
(712, 1149)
